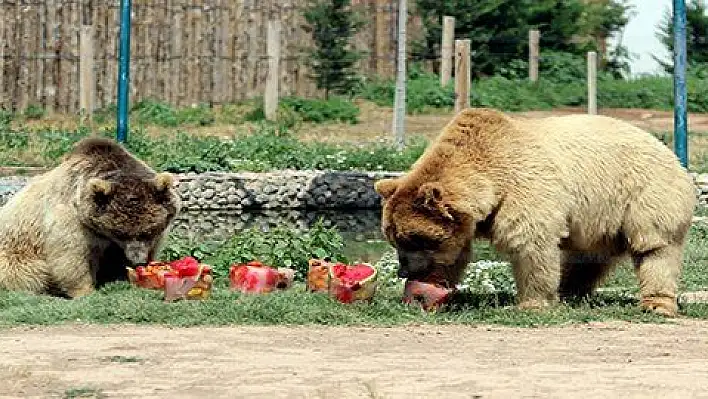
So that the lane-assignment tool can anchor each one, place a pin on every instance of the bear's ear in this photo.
(386, 187)
(431, 196)
(163, 181)
(99, 187)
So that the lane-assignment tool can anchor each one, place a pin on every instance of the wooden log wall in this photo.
(182, 51)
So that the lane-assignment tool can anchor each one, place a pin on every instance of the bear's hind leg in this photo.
(73, 276)
(537, 276)
(658, 272)
(26, 275)
(583, 272)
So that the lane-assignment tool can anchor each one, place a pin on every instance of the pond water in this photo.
(361, 229)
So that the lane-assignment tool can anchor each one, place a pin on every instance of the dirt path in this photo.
(595, 360)
(375, 122)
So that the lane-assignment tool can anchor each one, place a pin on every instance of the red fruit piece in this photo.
(352, 283)
(253, 279)
(351, 275)
(429, 296)
(186, 267)
(339, 269)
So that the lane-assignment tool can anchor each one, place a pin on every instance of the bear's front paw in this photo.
(80, 291)
(664, 306)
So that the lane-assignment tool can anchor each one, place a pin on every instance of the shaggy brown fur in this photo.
(565, 197)
(78, 226)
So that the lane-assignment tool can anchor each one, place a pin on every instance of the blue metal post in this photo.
(680, 106)
(123, 70)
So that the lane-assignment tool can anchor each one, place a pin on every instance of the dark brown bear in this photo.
(78, 225)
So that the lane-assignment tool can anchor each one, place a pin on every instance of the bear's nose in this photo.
(403, 273)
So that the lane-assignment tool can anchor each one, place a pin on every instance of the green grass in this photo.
(269, 147)
(122, 303)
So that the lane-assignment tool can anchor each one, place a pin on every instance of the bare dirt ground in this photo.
(375, 122)
(598, 360)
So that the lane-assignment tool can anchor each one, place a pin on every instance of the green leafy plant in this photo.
(279, 247)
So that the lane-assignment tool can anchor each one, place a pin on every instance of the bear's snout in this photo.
(412, 264)
(137, 252)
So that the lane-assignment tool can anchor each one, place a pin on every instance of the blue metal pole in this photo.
(123, 70)
(680, 106)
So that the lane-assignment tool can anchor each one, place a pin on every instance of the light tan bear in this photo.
(78, 225)
(565, 197)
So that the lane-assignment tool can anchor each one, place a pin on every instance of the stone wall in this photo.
(309, 190)
(701, 181)
(280, 190)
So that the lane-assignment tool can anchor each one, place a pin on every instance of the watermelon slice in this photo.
(351, 283)
(430, 296)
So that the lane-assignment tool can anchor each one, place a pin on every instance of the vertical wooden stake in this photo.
(534, 39)
(381, 34)
(87, 88)
(399, 112)
(462, 74)
(592, 83)
(271, 92)
(447, 50)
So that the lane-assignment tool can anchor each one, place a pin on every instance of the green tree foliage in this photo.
(696, 36)
(498, 29)
(333, 24)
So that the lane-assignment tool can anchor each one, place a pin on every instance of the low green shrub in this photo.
(5, 117)
(34, 111)
(159, 113)
(423, 92)
(562, 83)
(335, 109)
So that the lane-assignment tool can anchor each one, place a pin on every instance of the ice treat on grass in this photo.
(150, 276)
(351, 283)
(318, 275)
(183, 278)
(429, 295)
(188, 279)
(256, 278)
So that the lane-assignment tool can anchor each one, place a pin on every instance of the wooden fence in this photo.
(182, 51)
